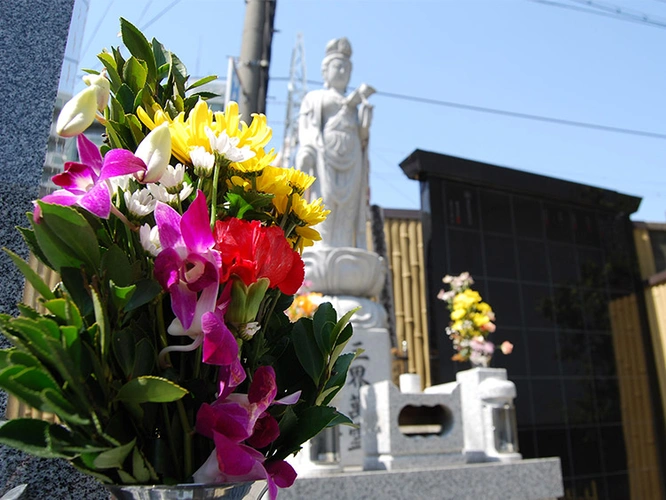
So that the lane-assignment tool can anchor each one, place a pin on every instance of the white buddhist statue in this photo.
(333, 136)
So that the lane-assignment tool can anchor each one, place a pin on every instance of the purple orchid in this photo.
(239, 424)
(84, 182)
(188, 266)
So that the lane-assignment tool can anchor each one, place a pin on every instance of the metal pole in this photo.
(255, 56)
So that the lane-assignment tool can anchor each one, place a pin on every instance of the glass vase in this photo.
(239, 491)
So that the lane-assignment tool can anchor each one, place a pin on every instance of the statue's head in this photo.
(336, 66)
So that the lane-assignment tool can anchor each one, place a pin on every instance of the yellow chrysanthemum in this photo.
(472, 294)
(480, 319)
(273, 180)
(309, 214)
(188, 134)
(257, 163)
(457, 314)
(484, 308)
(298, 180)
(463, 301)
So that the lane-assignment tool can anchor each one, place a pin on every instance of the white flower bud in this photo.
(155, 151)
(78, 113)
(150, 239)
(103, 88)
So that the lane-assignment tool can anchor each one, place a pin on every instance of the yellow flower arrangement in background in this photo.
(471, 321)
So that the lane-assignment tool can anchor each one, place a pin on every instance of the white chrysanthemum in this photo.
(139, 203)
(173, 177)
(150, 239)
(186, 191)
(122, 182)
(227, 146)
(160, 193)
(203, 161)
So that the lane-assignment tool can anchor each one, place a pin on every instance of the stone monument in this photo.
(334, 130)
(32, 45)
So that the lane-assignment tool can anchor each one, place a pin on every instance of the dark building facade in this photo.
(552, 258)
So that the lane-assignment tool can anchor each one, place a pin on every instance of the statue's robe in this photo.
(341, 167)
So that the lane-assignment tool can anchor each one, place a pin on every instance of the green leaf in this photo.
(160, 53)
(337, 380)
(133, 121)
(36, 379)
(135, 73)
(111, 69)
(78, 289)
(123, 345)
(324, 326)
(117, 111)
(65, 311)
(206, 95)
(116, 266)
(342, 324)
(29, 435)
(179, 73)
(71, 233)
(237, 205)
(139, 47)
(125, 477)
(115, 457)
(8, 382)
(126, 98)
(31, 334)
(81, 466)
(89, 357)
(67, 369)
(150, 390)
(103, 324)
(144, 359)
(33, 278)
(120, 296)
(146, 290)
(141, 469)
(202, 81)
(116, 137)
(341, 341)
(69, 334)
(311, 422)
(55, 403)
(341, 419)
(307, 350)
(27, 311)
(31, 241)
(13, 356)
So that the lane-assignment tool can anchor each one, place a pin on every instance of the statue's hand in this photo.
(306, 160)
(366, 90)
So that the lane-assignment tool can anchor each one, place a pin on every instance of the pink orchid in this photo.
(188, 264)
(239, 424)
(84, 183)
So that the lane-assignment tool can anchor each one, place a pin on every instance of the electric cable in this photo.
(513, 114)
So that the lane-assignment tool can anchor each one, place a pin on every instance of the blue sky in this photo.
(513, 55)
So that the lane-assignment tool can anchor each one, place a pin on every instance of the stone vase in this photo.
(240, 491)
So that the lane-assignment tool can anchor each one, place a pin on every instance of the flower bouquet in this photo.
(165, 352)
(471, 322)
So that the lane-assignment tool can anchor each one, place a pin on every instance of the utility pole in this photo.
(255, 56)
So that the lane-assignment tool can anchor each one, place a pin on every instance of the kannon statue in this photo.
(333, 136)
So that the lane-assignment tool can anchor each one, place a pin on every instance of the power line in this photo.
(93, 32)
(160, 14)
(607, 10)
(513, 114)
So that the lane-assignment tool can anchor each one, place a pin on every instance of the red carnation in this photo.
(252, 251)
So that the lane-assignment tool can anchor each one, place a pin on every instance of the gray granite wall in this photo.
(33, 34)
